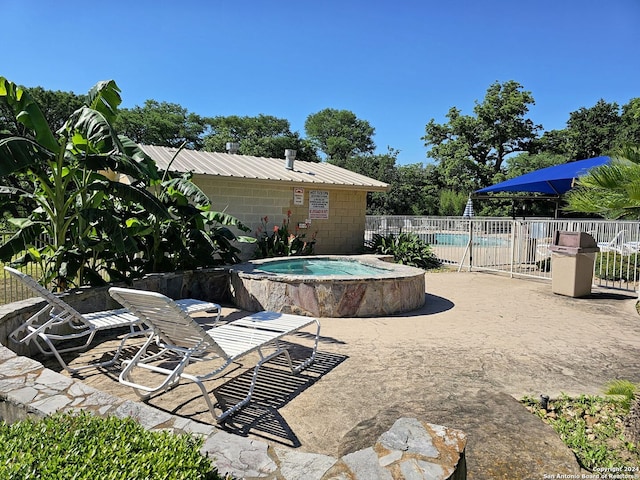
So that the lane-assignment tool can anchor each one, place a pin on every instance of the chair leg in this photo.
(140, 361)
(312, 357)
(226, 412)
(114, 359)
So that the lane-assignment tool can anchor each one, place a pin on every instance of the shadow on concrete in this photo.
(606, 295)
(432, 304)
(276, 386)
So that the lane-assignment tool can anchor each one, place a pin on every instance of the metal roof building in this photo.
(320, 199)
(234, 166)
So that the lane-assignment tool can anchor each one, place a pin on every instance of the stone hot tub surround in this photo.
(392, 289)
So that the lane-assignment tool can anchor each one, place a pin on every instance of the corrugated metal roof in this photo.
(260, 168)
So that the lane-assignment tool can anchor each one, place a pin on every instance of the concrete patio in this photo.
(480, 342)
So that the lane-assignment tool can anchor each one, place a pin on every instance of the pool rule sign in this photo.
(318, 205)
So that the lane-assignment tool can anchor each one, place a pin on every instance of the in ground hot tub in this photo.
(328, 286)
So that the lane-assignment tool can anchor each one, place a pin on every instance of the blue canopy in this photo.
(554, 180)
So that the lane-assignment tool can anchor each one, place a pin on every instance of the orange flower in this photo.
(288, 213)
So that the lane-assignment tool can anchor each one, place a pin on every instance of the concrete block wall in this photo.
(251, 200)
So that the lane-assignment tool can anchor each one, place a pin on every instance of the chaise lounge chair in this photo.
(58, 322)
(616, 244)
(180, 335)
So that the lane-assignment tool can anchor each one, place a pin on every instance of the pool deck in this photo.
(480, 342)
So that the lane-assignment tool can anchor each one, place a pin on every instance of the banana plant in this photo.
(85, 202)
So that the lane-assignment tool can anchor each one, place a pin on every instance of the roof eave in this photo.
(302, 183)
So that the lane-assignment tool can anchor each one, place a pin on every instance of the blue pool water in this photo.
(461, 240)
(325, 266)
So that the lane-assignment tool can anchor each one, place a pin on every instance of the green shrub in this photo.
(406, 248)
(82, 446)
(613, 266)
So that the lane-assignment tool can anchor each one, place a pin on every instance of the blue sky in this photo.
(396, 64)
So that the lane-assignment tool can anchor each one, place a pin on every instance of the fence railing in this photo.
(10, 289)
(520, 247)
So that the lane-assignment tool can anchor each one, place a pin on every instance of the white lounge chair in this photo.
(179, 334)
(616, 244)
(58, 322)
(631, 247)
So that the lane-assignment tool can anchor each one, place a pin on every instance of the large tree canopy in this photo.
(261, 136)
(595, 131)
(592, 131)
(629, 132)
(470, 150)
(339, 134)
(163, 124)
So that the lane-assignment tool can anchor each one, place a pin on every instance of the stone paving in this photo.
(409, 450)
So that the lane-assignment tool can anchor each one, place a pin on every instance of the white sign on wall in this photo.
(318, 204)
(298, 196)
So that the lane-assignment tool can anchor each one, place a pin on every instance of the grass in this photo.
(593, 426)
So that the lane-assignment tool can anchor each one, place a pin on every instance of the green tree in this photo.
(555, 142)
(162, 124)
(470, 150)
(56, 106)
(452, 203)
(593, 131)
(339, 134)
(414, 191)
(611, 190)
(381, 167)
(66, 189)
(261, 136)
(629, 132)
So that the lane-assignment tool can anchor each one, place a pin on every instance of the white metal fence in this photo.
(520, 247)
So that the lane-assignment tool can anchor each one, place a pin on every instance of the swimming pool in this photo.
(461, 240)
(328, 286)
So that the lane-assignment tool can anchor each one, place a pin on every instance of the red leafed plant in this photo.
(281, 242)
